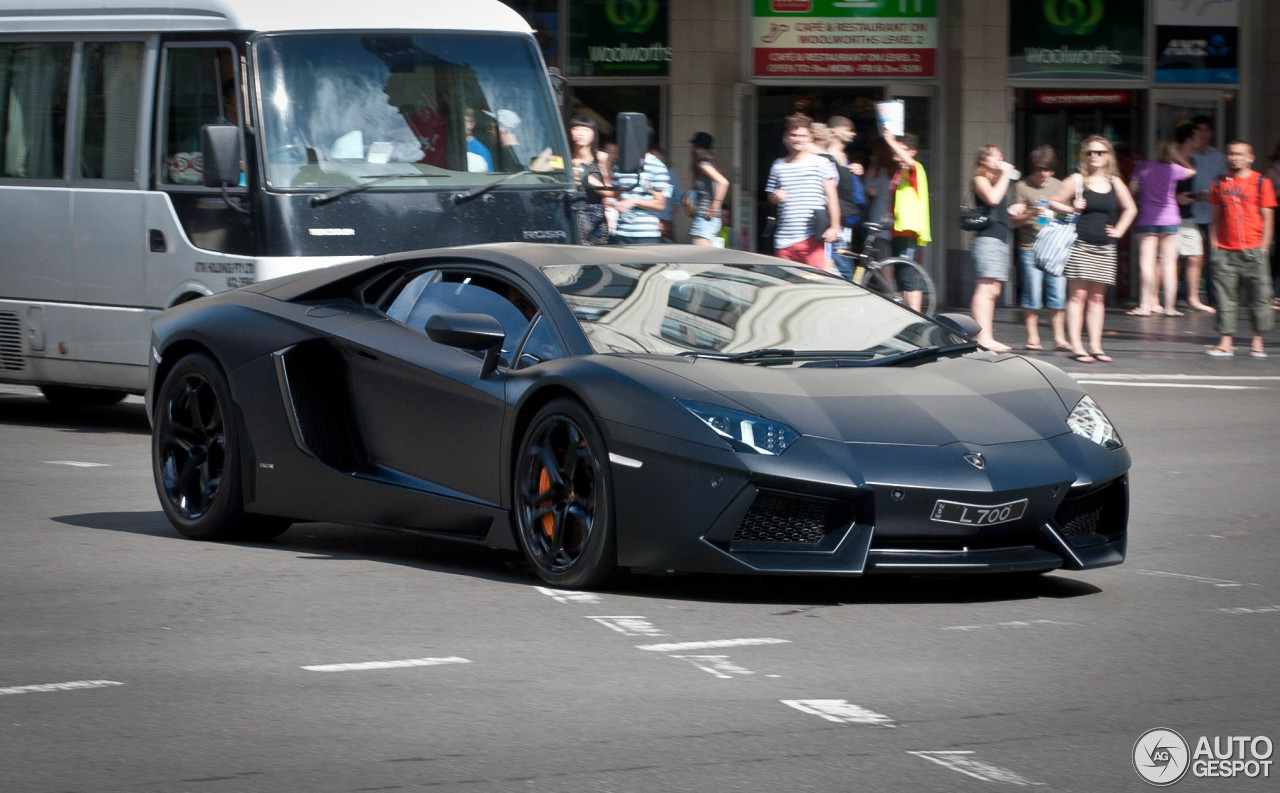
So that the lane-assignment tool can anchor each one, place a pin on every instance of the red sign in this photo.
(791, 6)
(1077, 98)
(845, 63)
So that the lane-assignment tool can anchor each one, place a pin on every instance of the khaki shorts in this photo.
(1190, 243)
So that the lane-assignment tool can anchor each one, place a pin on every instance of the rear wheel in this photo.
(564, 498)
(903, 281)
(66, 396)
(195, 457)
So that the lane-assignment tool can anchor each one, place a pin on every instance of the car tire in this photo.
(195, 456)
(563, 497)
(67, 396)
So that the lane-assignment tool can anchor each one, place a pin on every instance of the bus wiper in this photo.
(321, 200)
(476, 192)
(925, 352)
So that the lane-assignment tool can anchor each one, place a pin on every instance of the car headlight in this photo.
(744, 432)
(1088, 421)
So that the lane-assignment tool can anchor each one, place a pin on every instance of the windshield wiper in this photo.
(925, 352)
(778, 354)
(476, 192)
(321, 200)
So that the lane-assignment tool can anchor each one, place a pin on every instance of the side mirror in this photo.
(220, 149)
(633, 141)
(469, 332)
(962, 324)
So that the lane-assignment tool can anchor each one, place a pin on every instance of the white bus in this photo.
(338, 129)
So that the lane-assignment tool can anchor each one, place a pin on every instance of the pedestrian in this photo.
(666, 215)
(590, 176)
(802, 186)
(1154, 184)
(850, 191)
(910, 189)
(1273, 175)
(641, 197)
(1240, 234)
(989, 250)
(880, 170)
(1209, 164)
(1039, 289)
(1106, 210)
(1190, 242)
(705, 201)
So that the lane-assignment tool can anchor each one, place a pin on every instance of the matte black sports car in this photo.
(666, 408)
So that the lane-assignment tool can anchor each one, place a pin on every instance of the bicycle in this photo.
(883, 276)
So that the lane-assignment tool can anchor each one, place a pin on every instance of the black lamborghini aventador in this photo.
(664, 408)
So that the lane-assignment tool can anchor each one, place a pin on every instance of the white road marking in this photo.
(1199, 579)
(629, 626)
(965, 763)
(718, 665)
(1250, 610)
(716, 644)
(1130, 384)
(77, 464)
(1002, 625)
(569, 596)
(840, 711)
(72, 686)
(366, 665)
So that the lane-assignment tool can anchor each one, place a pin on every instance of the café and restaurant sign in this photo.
(844, 38)
(1077, 40)
(619, 38)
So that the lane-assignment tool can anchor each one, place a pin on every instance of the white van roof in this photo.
(119, 16)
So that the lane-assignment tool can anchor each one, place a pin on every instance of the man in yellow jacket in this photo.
(910, 211)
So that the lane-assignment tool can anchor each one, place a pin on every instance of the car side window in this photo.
(541, 345)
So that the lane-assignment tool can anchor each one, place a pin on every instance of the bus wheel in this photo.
(66, 396)
(195, 457)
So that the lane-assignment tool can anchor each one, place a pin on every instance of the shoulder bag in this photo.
(1053, 243)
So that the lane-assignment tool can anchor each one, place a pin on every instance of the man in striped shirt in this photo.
(802, 186)
(642, 197)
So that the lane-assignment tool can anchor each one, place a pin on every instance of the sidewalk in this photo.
(1151, 345)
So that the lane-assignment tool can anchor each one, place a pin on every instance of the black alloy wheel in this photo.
(195, 457)
(564, 498)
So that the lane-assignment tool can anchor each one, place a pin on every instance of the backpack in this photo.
(851, 192)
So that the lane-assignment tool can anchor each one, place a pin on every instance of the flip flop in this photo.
(1031, 346)
(1173, 313)
(1062, 347)
(1205, 309)
(1137, 312)
(1084, 359)
(1218, 352)
(1257, 354)
(1102, 357)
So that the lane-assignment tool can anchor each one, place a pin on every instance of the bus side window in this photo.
(193, 97)
(107, 118)
(33, 109)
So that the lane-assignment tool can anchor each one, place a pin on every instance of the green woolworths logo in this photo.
(1074, 17)
(633, 16)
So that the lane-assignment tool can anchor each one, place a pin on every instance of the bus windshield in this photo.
(404, 110)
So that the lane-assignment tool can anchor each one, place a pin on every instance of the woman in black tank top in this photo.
(1106, 210)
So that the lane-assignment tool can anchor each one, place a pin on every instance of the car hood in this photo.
(980, 399)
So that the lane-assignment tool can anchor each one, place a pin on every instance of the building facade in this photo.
(1014, 73)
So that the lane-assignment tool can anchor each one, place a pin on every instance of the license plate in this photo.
(977, 514)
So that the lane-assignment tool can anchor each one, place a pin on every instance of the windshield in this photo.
(408, 110)
(722, 309)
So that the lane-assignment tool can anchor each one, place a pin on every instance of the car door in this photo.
(422, 409)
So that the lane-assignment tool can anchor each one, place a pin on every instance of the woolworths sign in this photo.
(618, 38)
(1077, 39)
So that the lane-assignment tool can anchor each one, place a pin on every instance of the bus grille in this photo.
(11, 358)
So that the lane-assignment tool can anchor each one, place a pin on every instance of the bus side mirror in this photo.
(633, 141)
(220, 150)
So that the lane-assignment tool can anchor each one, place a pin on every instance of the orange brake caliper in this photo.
(549, 519)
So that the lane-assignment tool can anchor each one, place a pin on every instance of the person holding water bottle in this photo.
(1038, 288)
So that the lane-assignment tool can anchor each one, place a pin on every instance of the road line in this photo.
(1012, 624)
(569, 596)
(716, 644)
(1199, 579)
(1130, 384)
(1249, 610)
(629, 626)
(77, 464)
(366, 665)
(965, 763)
(718, 665)
(840, 711)
(75, 685)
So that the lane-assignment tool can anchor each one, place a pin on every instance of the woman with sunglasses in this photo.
(1106, 209)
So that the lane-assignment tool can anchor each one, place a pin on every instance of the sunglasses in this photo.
(1098, 152)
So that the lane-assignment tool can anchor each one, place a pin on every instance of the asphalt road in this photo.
(134, 660)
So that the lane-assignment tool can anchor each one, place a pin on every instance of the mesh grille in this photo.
(775, 518)
(11, 358)
(1085, 515)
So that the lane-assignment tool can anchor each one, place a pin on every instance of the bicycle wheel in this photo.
(904, 282)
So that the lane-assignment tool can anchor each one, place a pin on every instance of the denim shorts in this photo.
(1037, 283)
(990, 258)
(706, 228)
(1155, 229)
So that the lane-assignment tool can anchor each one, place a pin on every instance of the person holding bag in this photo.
(992, 176)
(590, 169)
(1106, 210)
(1039, 289)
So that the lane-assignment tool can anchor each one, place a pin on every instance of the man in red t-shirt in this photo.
(1239, 239)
